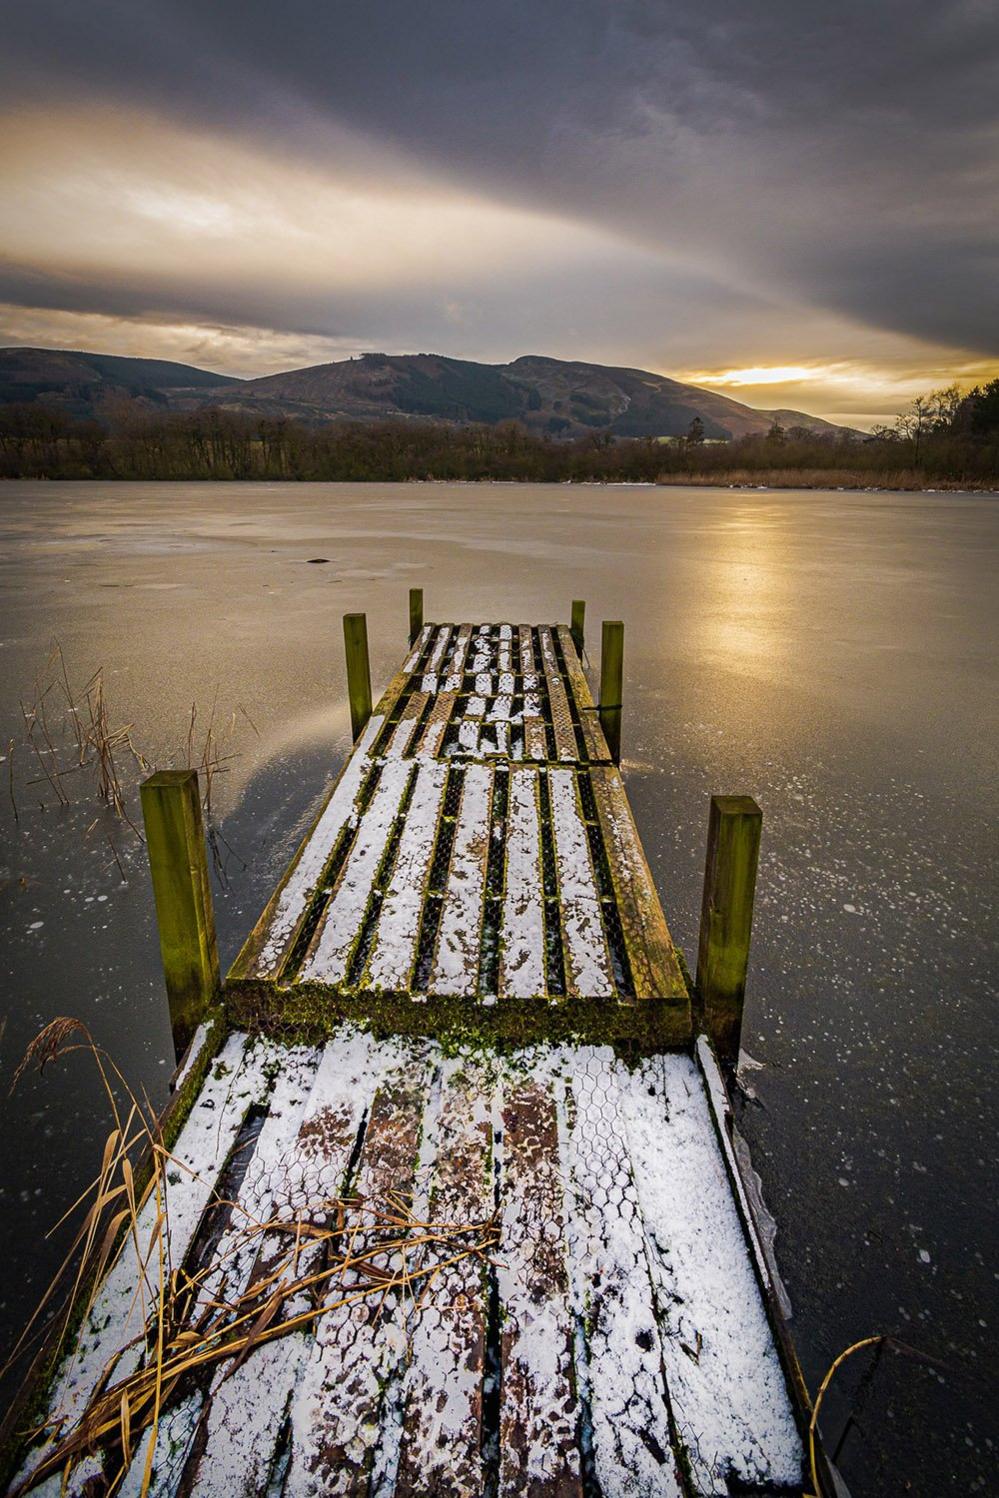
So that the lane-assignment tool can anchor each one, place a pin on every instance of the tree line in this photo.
(943, 437)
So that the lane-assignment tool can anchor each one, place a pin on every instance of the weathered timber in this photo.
(734, 827)
(355, 639)
(612, 684)
(506, 894)
(415, 613)
(175, 840)
(578, 623)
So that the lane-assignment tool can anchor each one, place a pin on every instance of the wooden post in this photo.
(611, 684)
(355, 638)
(727, 918)
(576, 627)
(175, 840)
(415, 613)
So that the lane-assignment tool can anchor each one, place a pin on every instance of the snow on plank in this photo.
(399, 742)
(434, 729)
(284, 914)
(237, 1080)
(329, 957)
(456, 662)
(538, 1412)
(456, 967)
(619, 1359)
(235, 1447)
(440, 1450)
(522, 959)
(442, 639)
(535, 737)
(391, 961)
(727, 1388)
(588, 968)
(359, 1347)
(233, 1256)
(655, 969)
(526, 641)
(419, 645)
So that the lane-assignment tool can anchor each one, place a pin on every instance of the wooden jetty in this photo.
(461, 1039)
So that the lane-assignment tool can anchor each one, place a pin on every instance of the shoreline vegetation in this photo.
(943, 441)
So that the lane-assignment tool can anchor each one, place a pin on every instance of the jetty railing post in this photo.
(355, 639)
(612, 684)
(175, 841)
(576, 627)
(415, 613)
(734, 827)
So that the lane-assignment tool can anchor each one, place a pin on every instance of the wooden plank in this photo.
(535, 739)
(440, 1450)
(266, 950)
(522, 943)
(566, 747)
(235, 1446)
(235, 1253)
(538, 1411)
(127, 1298)
(588, 966)
(526, 641)
(399, 743)
(394, 950)
(442, 640)
(333, 944)
(359, 1348)
(655, 969)
(730, 1401)
(619, 1358)
(436, 726)
(468, 737)
(412, 660)
(589, 720)
(482, 651)
(453, 681)
(456, 965)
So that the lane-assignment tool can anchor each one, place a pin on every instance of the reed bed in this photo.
(72, 736)
(328, 1254)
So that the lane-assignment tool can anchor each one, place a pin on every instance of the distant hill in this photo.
(553, 396)
(84, 383)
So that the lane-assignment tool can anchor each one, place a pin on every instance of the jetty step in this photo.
(612, 1336)
(476, 864)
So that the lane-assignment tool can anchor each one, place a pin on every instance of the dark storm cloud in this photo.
(845, 155)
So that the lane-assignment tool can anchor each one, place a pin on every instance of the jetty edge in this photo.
(463, 999)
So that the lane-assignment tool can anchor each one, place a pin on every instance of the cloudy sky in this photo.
(795, 203)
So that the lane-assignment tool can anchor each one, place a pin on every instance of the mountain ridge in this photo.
(555, 397)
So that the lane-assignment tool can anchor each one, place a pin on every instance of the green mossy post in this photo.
(415, 613)
(355, 639)
(612, 684)
(734, 829)
(576, 627)
(175, 840)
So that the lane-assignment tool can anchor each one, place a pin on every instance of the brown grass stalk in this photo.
(332, 1251)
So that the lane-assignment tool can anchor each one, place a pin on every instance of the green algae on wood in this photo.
(175, 838)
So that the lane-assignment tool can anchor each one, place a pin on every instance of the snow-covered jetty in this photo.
(461, 1013)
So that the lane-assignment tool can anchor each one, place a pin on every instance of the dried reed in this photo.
(330, 1253)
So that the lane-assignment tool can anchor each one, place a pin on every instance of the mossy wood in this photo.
(577, 625)
(612, 684)
(476, 869)
(734, 828)
(175, 838)
(355, 639)
(415, 613)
